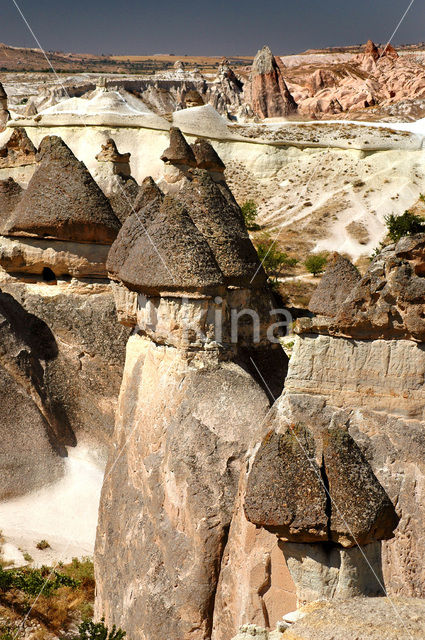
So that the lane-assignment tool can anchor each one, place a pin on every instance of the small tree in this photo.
(315, 263)
(249, 211)
(89, 630)
(275, 262)
(405, 225)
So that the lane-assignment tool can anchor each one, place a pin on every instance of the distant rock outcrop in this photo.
(270, 96)
(18, 151)
(4, 113)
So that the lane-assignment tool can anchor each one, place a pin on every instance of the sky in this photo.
(216, 27)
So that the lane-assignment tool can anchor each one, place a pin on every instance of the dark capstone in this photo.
(336, 284)
(341, 500)
(206, 156)
(218, 217)
(361, 511)
(179, 152)
(63, 201)
(162, 250)
(284, 492)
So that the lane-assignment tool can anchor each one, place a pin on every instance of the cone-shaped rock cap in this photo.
(371, 49)
(63, 201)
(10, 194)
(264, 62)
(206, 156)
(163, 251)
(3, 93)
(286, 490)
(110, 153)
(179, 152)
(218, 217)
(337, 283)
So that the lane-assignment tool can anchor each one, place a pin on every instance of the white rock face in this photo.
(378, 386)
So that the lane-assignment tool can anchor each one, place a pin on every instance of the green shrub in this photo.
(35, 581)
(249, 211)
(405, 225)
(90, 630)
(43, 544)
(275, 262)
(315, 263)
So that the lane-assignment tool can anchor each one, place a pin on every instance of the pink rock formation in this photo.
(270, 95)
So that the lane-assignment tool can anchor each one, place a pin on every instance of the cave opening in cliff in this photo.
(48, 275)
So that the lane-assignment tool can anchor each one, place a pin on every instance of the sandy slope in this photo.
(64, 514)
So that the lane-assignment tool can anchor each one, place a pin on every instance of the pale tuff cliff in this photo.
(216, 510)
(63, 349)
(189, 406)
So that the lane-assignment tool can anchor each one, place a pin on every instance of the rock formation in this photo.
(371, 50)
(360, 618)
(55, 286)
(4, 113)
(63, 201)
(114, 178)
(18, 150)
(190, 397)
(270, 97)
(10, 194)
(336, 284)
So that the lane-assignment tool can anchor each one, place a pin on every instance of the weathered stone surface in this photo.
(360, 510)
(174, 487)
(371, 50)
(336, 284)
(29, 455)
(10, 194)
(179, 151)
(165, 253)
(380, 384)
(206, 157)
(284, 492)
(389, 301)
(361, 618)
(82, 380)
(323, 571)
(219, 218)
(270, 96)
(18, 150)
(63, 201)
(338, 500)
(33, 256)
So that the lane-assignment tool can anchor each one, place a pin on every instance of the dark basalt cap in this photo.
(218, 217)
(63, 201)
(179, 152)
(286, 490)
(10, 194)
(337, 283)
(3, 93)
(284, 493)
(164, 252)
(206, 156)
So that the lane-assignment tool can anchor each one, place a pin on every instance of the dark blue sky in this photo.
(210, 28)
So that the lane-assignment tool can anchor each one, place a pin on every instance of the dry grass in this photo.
(56, 612)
